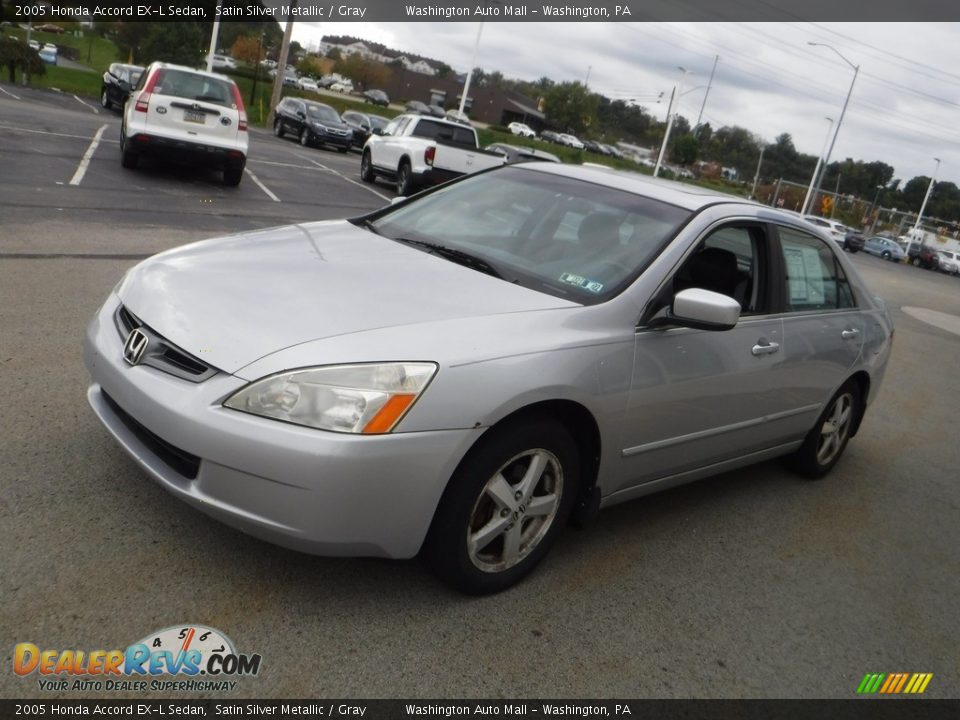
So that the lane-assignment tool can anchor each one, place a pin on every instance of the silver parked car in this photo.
(462, 373)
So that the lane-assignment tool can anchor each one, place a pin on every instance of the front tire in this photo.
(305, 137)
(105, 99)
(828, 439)
(885, 255)
(278, 128)
(504, 507)
(366, 168)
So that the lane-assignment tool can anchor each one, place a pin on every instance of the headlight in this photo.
(343, 398)
(320, 126)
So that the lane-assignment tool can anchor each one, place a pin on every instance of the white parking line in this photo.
(15, 97)
(55, 134)
(85, 161)
(344, 177)
(283, 164)
(261, 185)
(86, 104)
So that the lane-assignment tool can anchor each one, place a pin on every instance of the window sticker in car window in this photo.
(804, 276)
(581, 282)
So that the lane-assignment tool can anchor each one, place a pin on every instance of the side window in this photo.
(729, 261)
(814, 278)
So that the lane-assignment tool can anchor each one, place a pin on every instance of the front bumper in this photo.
(320, 492)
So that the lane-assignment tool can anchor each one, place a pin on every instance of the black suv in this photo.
(313, 123)
(363, 125)
(118, 81)
(853, 241)
(923, 256)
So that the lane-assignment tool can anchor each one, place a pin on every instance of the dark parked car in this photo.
(363, 125)
(596, 147)
(437, 111)
(377, 97)
(313, 123)
(517, 154)
(118, 81)
(923, 256)
(415, 106)
(853, 241)
(550, 136)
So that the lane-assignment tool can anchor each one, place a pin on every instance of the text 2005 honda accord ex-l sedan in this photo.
(461, 373)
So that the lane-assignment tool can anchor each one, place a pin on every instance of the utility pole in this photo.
(756, 176)
(707, 94)
(473, 64)
(213, 37)
(836, 196)
(281, 65)
(926, 197)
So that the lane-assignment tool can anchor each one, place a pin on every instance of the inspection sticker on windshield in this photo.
(581, 282)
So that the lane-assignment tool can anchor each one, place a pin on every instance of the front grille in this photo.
(161, 353)
(176, 459)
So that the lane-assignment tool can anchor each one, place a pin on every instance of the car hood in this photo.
(233, 300)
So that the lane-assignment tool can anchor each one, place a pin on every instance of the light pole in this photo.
(678, 91)
(213, 37)
(756, 175)
(923, 205)
(856, 71)
(707, 93)
(466, 84)
(873, 207)
(816, 170)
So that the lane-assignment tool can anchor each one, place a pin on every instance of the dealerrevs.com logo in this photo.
(189, 658)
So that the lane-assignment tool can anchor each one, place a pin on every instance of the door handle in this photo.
(849, 334)
(765, 347)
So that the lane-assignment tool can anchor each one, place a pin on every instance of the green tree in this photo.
(16, 55)
(685, 149)
(443, 70)
(571, 106)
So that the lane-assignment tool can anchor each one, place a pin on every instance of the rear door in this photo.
(822, 326)
(193, 106)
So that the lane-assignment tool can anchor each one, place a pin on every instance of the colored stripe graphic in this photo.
(894, 683)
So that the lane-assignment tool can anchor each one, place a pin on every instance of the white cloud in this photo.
(904, 109)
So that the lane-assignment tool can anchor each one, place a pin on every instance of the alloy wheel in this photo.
(836, 426)
(515, 510)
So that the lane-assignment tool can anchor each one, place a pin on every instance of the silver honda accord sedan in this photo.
(462, 373)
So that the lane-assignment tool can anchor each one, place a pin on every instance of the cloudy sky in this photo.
(905, 107)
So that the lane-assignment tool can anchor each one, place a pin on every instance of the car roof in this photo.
(184, 68)
(690, 197)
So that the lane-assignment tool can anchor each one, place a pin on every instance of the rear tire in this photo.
(885, 255)
(366, 168)
(505, 505)
(128, 158)
(232, 176)
(825, 443)
(404, 180)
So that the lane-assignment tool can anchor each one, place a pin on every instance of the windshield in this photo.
(378, 122)
(569, 238)
(324, 113)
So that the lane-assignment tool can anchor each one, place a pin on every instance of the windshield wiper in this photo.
(460, 257)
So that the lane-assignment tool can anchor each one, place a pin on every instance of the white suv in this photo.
(186, 115)
(838, 231)
(519, 128)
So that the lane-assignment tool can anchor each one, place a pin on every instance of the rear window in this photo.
(442, 132)
(192, 86)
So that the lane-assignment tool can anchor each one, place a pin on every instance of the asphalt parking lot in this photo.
(750, 584)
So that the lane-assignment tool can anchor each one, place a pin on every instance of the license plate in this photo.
(196, 117)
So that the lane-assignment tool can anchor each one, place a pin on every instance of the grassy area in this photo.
(91, 50)
(78, 82)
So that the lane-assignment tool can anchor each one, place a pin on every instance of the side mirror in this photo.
(700, 309)
(301, 114)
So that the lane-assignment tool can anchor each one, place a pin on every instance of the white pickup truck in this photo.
(415, 151)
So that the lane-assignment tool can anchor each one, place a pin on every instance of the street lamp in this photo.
(678, 91)
(926, 197)
(756, 175)
(873, 207)
(816, 170)
(856, 70)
